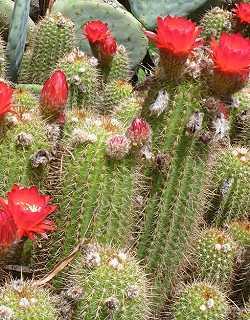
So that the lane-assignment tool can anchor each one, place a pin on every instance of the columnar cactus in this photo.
(99, 168)
(22, 300)
(200, 301)
(53, 38)
(112, 283)
(215, 256)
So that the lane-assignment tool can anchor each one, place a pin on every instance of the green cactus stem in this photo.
(98, 208)
(229, 186)
(113, 283)
(24, 153)
(215, 256)
(240, 232)
(22, 300)
(216, 21)
(83, 78)
(200, 301)
(53, 38)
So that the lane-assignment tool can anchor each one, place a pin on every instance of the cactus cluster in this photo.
(130, 202)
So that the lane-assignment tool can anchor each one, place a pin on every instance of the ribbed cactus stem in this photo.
(53, 38)
(120, 66)
(98, 170)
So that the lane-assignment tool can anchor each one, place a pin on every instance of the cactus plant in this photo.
(200, 301)
(22, 300)
(117, 18)
(95, 168)
(83, 79)
(53, 38)
(245, 313)
(230, 185)
(113, 283)
(25, 153)
(216, 21)
(215, 257)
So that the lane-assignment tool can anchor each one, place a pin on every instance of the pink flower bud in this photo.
(118, 147)
(139, 132)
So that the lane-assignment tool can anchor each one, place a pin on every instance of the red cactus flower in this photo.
(231, 55)
(54, 94)
(242, 11)
(175, 35)
(29, 210)
(139, 132)
(95, 31)
(109, 46)
(7, 229)
(6, 93)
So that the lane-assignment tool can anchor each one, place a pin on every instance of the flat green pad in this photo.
(148, 10)
(127, 30)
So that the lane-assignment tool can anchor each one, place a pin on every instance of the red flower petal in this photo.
(29, 210)
(109, 46)
(95, 31)
(242, 11)
(6, 93)
(54, 94)
(231, 54)
(175, 35)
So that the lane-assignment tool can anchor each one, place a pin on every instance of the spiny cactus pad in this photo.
(148, 11)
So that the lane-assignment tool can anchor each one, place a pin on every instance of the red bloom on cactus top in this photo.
(175, 35)
(139, 132)
(54, 94)
(95, 31)
(109, 46)
(29, 211)
(6, 93)
(231, 54)
(242, 11)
